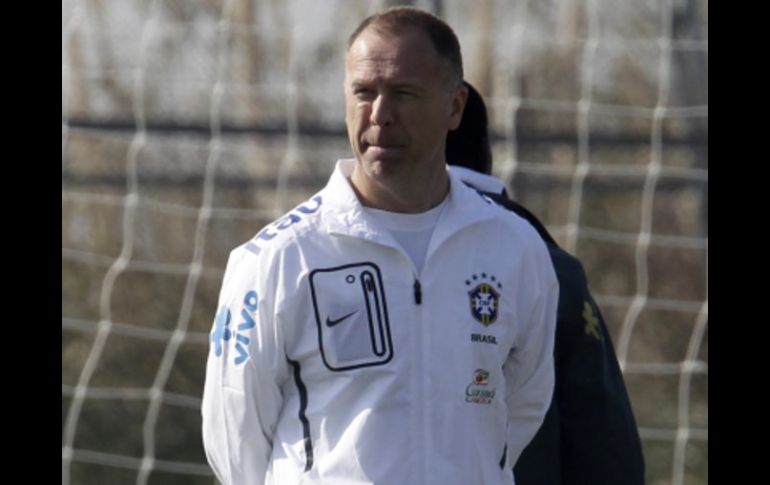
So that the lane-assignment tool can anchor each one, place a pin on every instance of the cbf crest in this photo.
(484, 298)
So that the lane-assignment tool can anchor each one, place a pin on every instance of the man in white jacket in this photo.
(385, 332)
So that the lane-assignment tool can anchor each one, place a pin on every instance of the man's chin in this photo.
(384, 160)
(382, 167)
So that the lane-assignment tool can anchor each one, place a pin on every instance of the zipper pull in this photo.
(417, 292)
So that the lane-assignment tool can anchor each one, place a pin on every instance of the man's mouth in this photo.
(383, 149)
(383, 146)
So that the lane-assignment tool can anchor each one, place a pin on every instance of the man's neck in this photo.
(401, 197)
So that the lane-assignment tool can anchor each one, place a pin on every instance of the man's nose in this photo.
(382, 111)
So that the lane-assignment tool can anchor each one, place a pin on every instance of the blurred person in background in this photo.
(589, 435)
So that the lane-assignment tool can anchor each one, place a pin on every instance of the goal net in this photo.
(187, 125)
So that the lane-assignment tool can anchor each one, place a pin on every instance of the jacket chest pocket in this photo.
(352, 316)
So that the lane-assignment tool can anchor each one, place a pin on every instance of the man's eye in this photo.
(362, 93)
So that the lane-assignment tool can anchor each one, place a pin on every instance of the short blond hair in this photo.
(397, 20)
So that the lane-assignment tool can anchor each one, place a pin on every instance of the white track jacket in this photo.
(333, 362)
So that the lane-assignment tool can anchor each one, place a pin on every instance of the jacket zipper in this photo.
(417, 292)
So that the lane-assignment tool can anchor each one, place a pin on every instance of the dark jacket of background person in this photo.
(589, 435)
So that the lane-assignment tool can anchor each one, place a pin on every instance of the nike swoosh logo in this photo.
(331, 323)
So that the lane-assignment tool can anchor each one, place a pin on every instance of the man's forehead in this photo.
(401, 41)
(404, 53)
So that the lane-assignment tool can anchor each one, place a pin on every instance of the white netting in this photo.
(187, 125)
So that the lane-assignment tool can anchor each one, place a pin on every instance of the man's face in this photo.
(399, 103)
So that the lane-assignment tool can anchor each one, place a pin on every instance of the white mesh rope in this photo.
(149, 461)
(583, 125)
(118, 266)
(512, 103)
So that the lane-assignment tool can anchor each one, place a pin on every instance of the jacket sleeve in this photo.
(529, 369)
(245, 369)
(599, 439)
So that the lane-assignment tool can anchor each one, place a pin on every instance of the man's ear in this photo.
(459, 98)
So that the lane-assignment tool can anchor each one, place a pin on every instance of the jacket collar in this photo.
(344, 214)
(479, 181)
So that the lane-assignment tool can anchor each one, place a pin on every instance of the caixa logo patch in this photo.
(478, 391)
(293, 217)
(222, 332)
